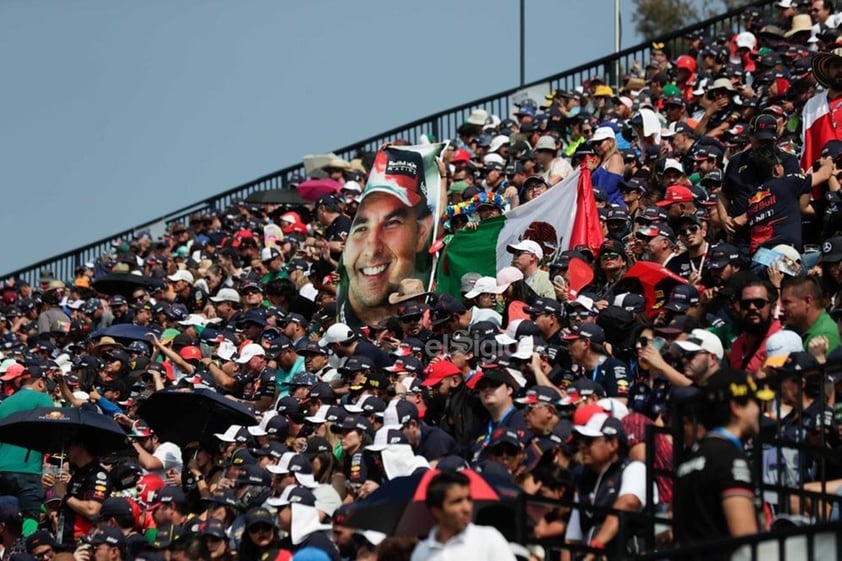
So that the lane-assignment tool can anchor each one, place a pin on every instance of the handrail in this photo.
(442, 124)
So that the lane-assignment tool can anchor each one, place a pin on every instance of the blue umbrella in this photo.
(49, 429)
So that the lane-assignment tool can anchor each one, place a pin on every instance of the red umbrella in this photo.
(481, 490)
(313, 189)
(397, 508)
(652, 280)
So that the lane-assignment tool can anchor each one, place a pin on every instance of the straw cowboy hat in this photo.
(104, 344)
(821, 65)
(801, 22)
(407, 290)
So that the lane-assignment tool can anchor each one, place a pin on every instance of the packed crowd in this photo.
(721, 165)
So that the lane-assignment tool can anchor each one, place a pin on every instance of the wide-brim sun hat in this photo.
(821, 65)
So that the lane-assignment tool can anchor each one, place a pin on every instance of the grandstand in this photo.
(440, 125)
(793, 540)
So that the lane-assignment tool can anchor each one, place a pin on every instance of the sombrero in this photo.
(821, 65)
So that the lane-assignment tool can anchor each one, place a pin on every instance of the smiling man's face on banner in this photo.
(381, 248)
(389, 235)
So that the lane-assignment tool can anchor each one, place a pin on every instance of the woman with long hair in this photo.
(261, 538)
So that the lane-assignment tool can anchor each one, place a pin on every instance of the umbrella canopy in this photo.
(187, 416)
(120, 283)
(313, 189)
(653, 281)
(276, 197)
(126, 332)
(49, 429)
(397, 508)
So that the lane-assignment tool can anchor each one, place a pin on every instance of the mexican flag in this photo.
(563, 217)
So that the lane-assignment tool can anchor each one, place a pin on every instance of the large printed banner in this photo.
(391, 233)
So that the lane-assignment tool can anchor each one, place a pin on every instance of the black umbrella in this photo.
(187, 416)
(49, 429)
(120, 283)
(126, 332)
(276, 197)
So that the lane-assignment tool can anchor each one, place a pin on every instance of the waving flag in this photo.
(559, 219)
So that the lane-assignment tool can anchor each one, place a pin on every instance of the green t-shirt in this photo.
(726, 333)
(14, 458)
(268, 277)
(824, 325)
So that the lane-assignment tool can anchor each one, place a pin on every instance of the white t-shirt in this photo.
(170, 456)
(476, 542)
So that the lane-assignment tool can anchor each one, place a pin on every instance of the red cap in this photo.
(190, 353)
(461, 155)
(438, 371)
(12, 372)
(584, 413)
(676, 194)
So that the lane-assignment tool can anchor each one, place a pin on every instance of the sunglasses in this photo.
(759, 303)
(689, 230)
(609, 256)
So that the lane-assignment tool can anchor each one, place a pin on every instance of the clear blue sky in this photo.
(113, 113)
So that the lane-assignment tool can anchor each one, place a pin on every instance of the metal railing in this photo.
(442, 125)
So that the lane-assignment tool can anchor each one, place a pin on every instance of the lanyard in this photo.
(492, 425)
(730, 436)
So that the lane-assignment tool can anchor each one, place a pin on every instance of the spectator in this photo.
(449, 501)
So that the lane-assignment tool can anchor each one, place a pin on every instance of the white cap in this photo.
(226, 350)
(383, 439)
(493, 159)
(601, 133)
(526, 245)
(584, 301)
(257, 430)
(182, 275)
(336, 333)
(283, 464)
(785, 4)
(226, 295)
(598, 426)
(320, 416)
(672, 163)
(477, 117)
(746, 40)
(371, 536)
(349, 186)
(525, 348)
(194, 319)
(627, 101)
(702, 340)
(484, 285)
(230, 434)
(328, 500)
(614, 407)
(508, 275)
(545, 143)
(783, 342)
(249, 352)
(498, 142)
(269, 253)
(508, 337)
